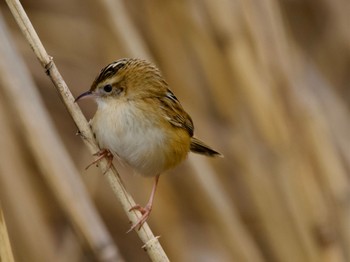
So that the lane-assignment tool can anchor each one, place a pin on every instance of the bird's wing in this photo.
(174, 113)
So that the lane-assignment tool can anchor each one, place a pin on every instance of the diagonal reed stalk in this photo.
(151, 243)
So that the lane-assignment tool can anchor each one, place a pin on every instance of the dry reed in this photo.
(266, 83)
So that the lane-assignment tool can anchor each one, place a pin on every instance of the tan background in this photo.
(266, 83)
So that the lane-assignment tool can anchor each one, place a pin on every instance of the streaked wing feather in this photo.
(174, 113)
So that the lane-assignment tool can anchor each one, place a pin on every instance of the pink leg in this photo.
(101, 154)
(145, 211)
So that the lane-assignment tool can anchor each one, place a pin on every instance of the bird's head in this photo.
(127, 78)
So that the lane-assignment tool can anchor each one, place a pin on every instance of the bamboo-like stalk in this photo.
(151, 243)
(5, 246)
(265, 82)
(51, 157)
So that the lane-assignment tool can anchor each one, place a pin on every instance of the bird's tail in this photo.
(199, 147)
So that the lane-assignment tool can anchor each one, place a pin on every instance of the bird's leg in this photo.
(101, 154)
(145, 211)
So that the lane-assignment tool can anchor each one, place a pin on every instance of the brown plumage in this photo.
(140, 120)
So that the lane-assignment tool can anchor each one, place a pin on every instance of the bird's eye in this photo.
(107, 88)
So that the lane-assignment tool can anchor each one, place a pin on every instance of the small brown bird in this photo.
(141, 121)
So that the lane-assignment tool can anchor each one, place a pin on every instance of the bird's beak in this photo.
(85, 94)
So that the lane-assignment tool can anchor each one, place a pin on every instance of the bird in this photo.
(141, 122)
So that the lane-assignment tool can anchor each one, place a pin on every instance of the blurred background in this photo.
(266, 83)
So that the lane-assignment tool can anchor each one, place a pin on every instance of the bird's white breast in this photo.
(125, 130)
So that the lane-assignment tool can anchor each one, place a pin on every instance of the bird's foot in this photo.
(145, 211)
(103, 153)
